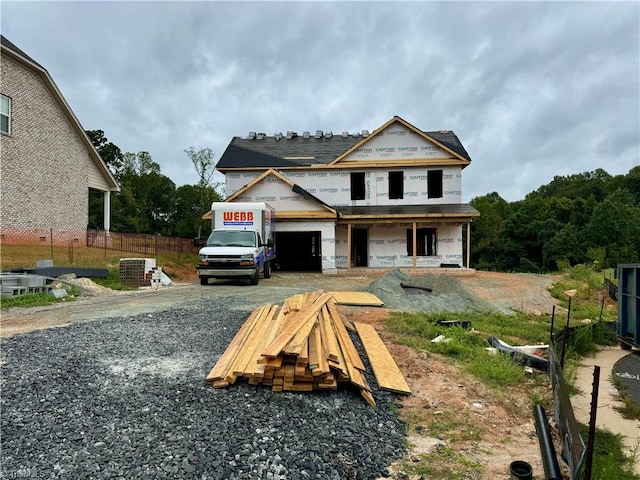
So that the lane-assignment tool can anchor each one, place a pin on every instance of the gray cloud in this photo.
(533, 90)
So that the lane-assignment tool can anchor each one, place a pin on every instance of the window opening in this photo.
(434, 183)
(426, 242)
(396, 185)
(357, 186)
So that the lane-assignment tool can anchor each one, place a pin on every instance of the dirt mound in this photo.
(447, 294)
(88, 287)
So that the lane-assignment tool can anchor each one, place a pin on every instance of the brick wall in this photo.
(43, 173)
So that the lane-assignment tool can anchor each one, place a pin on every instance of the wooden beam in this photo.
(357, 298)
(299, 320)
(468, 244)
(415, 249)
(243, 360)
(348, 246)
(221, 368)
(385, 369)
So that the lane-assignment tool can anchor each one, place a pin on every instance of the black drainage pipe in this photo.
(520, 470)
(547, 450)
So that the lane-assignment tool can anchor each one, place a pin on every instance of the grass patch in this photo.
(444, 464)
(113, 280)
(467, 348)
(589, 287)
(38, 299)
(630, 409)
(178, 266)
(609, 461)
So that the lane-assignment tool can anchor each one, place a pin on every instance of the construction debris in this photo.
(304, 346)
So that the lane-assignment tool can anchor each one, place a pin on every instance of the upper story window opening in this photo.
(396, 185)
(434, 183)
(358, 190)
(5, 114)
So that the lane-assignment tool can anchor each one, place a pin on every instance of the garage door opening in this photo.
(298, 251)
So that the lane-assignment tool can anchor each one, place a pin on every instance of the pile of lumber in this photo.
(302, 346)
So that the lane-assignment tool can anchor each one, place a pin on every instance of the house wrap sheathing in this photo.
(391, 198)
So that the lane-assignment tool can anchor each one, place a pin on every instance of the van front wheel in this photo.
(267, 269)
(255, 278)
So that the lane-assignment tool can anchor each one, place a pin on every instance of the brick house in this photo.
(392, 198)
(48, 163)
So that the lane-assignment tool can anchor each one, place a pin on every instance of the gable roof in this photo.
(445, 139)
(294, 188)
(9, 50)
(296, 151)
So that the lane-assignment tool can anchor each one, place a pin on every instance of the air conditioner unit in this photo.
(305, 135)
(252, 135)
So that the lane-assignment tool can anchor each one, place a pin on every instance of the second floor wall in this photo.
(361, 187)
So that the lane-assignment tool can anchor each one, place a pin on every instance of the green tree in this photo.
(188, 222)
(491, 246)
(615, 225)
(146, 201)
(110, 153)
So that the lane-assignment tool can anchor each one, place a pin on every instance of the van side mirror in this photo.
(196, 242)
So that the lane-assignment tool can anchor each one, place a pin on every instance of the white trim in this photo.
(6, 114)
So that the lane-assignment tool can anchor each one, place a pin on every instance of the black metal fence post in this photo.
(592, 422)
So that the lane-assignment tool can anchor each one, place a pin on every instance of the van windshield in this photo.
(231, 238)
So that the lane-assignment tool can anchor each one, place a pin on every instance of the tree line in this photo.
(591, 217)
(148, 201)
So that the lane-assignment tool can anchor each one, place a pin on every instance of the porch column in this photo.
(468, 243)
(415, 237)
(348, 246)
(106, 216)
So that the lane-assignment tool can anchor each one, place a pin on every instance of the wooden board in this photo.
(300, 319)
(364, 299)
(225, 362)
(385, 369)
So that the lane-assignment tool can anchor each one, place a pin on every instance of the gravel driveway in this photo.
(125, 397)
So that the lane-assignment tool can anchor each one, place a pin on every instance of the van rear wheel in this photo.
(204, 280)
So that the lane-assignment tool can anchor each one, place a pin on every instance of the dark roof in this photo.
(8, 44)
(463, 209)
(270, 152)
(451, 140)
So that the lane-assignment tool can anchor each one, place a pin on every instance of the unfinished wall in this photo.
(334, 187)
(388, 246)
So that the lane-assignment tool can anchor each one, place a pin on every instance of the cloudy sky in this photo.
(532, 89)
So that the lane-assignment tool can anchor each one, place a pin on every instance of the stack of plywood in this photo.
(301, 346)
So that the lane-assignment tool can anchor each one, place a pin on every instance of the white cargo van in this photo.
(241, 242)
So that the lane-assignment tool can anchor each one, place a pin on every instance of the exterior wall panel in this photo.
(334, 187)
(43, 173)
